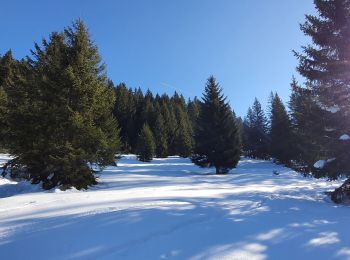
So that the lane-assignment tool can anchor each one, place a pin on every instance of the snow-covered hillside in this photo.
(171, 209)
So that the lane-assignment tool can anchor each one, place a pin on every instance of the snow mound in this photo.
(344, 137)
(333, 109)
(320, 164)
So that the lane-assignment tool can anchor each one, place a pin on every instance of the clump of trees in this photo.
(170, 120)
(61, 116)
(317, 127)
(57, 111)
(326, 65)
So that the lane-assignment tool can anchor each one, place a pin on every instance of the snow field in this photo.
(172, 209)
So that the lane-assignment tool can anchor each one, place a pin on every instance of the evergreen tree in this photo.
(60, 112)
(326, 65)
(160, 137)
(308, 145)
(182, 141)
(182, 144)
(148, 113)
(145, 144)
(280, 131)
(170, 122)
(256, 131)
(125, 111)
(240, 126)
(6, 66)
(217, 137)
(193, 110)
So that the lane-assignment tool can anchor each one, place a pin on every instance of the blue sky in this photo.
(173, 45)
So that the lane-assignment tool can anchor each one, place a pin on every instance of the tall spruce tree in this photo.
(145, 144)
(182, 142)
(161, 139)
(6, 70)
(125, 111)
(308, 146)
(217, 138)
(60, 112)
(326, 65)
(256, 132)
(280, 131)
(193, 109)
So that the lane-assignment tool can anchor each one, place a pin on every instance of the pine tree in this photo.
(193, 110)
(182, 144)
(60, 112)
(125, 111)
(5, 71)
(167, 111)
(326, 65)
(308, 145)
(160, 137)
(148, 113)
(145, 144)
(138, 120)
(280, 131)
(182, 141)
(256, 132)
(217, 137)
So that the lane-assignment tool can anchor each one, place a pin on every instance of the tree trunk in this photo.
(221, 170)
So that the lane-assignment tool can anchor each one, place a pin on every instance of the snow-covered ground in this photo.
(171, 209)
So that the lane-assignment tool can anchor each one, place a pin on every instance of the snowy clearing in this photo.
(171, 209)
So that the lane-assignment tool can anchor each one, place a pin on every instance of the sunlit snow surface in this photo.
(344, 137)
(171, 209)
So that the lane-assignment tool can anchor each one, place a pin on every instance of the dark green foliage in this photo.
(193, 109)
(160, 137)
(217, 138)
(256, 141)
(240, 126)
(60, 111)
(280, 131)
(7, 65)
(168, 118)
(182, 142)
(125, 111)
(308, 144)
(145, 144)
(326, 65)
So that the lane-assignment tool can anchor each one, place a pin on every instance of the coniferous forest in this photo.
(63, 119)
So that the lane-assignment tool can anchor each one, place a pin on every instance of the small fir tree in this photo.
(145, 144)
(160, 137)
(280, 131)
(256, 132)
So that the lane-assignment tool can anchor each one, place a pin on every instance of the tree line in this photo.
(315, 135)
(63, 119)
